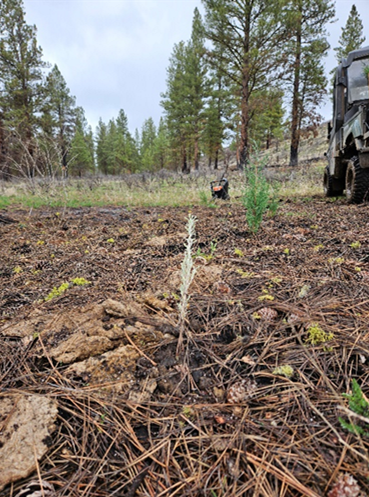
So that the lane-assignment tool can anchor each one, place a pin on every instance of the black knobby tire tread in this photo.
(361, 182)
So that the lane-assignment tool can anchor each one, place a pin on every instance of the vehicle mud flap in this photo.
(332, 187)
(364, 159)
(357, 182)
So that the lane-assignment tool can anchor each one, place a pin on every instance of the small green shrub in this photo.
(206, 200)
(258, 196)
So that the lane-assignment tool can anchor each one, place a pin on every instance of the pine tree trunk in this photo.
(4, 167)
(196, 152)
(243, 151)
(295, 131)
(185, 168)
(216, 159)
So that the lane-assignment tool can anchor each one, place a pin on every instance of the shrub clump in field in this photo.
(258, 195)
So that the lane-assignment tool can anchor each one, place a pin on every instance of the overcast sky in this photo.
(113, 54)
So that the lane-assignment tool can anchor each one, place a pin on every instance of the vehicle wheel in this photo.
(357, 182)
(330, 185)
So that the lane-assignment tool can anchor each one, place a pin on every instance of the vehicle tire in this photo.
(330, 186)
(357, 182)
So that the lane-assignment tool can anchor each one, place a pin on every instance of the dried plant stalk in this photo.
(187, 274)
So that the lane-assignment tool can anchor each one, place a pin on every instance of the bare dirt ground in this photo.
(277, 329)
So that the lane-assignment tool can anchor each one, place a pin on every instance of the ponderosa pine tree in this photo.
(102, 154)
(196, 75)
(221, 108)
(267, 116)
(306, 21)
(82, 147)
(352, 36)
(161, 146)
(58, 118)
(116, 151)
(21, 68)
(247, 37)
(147, 145)
(175, 107)
(184, 100)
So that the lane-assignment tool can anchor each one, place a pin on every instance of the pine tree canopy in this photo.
(352, 37)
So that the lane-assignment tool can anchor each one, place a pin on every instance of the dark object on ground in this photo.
(219, 189)
(6, 219)
(348, 134)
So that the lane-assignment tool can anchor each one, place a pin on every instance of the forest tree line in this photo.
(252, 71)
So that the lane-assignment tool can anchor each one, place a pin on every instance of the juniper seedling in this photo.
(187, 274)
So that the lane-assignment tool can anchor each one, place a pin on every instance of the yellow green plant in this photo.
(17, 270)
(355, 245)
(319, 247)
(284, 370)
(266, 295)
(245, 274)
(336, 260)
(238, 252)
(80, 281)
(56, 292)
(317, 336)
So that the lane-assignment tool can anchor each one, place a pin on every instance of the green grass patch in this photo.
(176, 191)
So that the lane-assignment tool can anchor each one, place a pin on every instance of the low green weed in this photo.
(207, 257)
(58, 291)
(358, 405)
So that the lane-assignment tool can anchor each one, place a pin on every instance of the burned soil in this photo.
(276, 330)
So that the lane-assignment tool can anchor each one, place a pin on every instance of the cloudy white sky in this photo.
(114, 53)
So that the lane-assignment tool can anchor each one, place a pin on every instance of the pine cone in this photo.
(240, 391)
(293, 319)
(268, 314)
(345, 486)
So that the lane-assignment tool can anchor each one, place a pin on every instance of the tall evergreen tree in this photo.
(21, 68)
(247, 36)
(197, 85)
(147, 145)
(102, 154)
(307, 46)
(175, 107)
(352, 36)
(59, 112)
(220, 111)
(184, 99)
(82, 158)
(267, 116)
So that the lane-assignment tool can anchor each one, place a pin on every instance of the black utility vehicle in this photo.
(348, 134)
